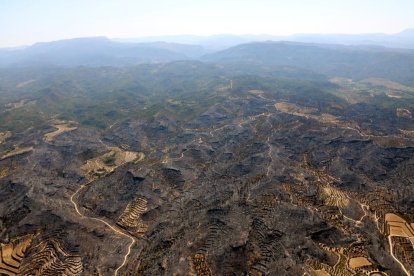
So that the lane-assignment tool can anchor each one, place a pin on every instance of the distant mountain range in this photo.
(97, 51)
(275, 58)
(403, 39)
(356, 62)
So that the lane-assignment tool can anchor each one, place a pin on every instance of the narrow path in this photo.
(396, 259)
(269, 154)
(113, 228)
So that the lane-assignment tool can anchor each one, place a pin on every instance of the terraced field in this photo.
(12, 255)
(50, 258)
(334, 197)
(131, 217)
(200, 265)
(402, 248)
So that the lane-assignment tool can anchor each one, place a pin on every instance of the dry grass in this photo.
(334, 197)
(109, 161)
(398, 227)
(62, 128)
(394, 96)
(4, 136)
(19, 104)
(306, 112)
(294, 109)
(359, 262)
(256, 92)
(24, 83)
(16, 151)
(341, 81)
(387, 84)
(131, 220)
(408, 133)
(4, 171)
(403, 113)
(320, 272)
(50, 258)
(12, 255)
(200, 265)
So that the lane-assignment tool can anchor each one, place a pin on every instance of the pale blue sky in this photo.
(27, 21)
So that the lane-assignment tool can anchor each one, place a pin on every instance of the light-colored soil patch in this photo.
(174, 102)
(109, 161)
(50, 258)
(24, 83)
(387, 84)
(306, 112)
(4, 136)
(62, 128)
(334, 197)
(320, 272)
(15, 152)
(394, 96)
(403, 113)
(294, 109)
(359, 262)
(4, 171)
(12, 255)
(141, 156)
(408, 133)
(131, 220)
(396, 226)
(341, 81)
(200, 265)
(19, 104)
(256, 92)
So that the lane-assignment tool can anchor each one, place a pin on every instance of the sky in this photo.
(24, 22)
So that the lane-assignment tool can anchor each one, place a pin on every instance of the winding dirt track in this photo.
(395, 258)
(113, 228)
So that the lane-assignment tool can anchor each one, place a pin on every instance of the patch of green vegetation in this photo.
(19, 120)
(104, 97)
(101, 97)
(110, 159)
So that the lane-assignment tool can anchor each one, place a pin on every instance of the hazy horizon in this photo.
(197, 35)
(26, 22)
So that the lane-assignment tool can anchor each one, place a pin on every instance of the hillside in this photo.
(331, 60)
(233, 173)
(97, 51)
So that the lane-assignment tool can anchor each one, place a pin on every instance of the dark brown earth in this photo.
(242, 189)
